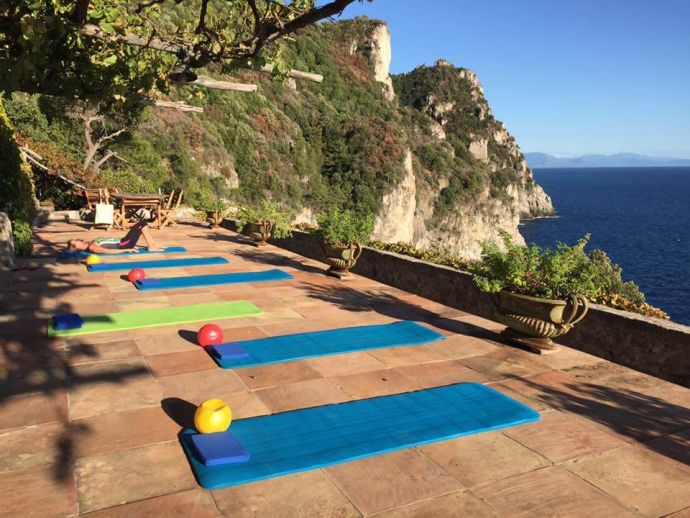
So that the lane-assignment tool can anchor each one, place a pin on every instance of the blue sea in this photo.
(639, 216)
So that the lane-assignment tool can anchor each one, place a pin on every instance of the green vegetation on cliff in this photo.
(335, 143)
(338, 143)
(16, 186)
(453, 98)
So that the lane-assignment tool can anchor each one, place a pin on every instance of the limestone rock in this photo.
(454, 101)
(534, 203)
(437, 130)
(377, 49)
(395, 221)
(480, 150)
(222, 168)
(437, 109)
(305, 216)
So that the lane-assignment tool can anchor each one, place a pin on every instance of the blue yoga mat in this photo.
(83, 254)
(320, 343)
(314, 438)
(162, 263)
(192, 281)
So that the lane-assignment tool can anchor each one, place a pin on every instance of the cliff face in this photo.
(375, 45)
(468, 190)
(421, 151)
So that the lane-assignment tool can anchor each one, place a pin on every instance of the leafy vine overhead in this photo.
(118, 51)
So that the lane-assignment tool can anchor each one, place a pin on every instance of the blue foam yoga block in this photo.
(192, 281)
(299, 346)
(313, 438)
(69, 321)
(214, 449)
(162, 263)
(229, 351)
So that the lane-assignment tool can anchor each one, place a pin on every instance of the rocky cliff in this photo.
(481, 179)
(422, 150)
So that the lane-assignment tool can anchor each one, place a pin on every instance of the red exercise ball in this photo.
(136, 274)
(210, 334)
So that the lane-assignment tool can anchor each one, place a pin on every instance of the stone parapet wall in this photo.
(6, 242)
(649, 345)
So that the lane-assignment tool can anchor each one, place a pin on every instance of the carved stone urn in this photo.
(214, 218)
(342, 258)
(533, 322)
(260, 232)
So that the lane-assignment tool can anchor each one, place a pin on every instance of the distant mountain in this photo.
(536, 160)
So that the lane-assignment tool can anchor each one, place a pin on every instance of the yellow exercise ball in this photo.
(212, 416)
(93, 259)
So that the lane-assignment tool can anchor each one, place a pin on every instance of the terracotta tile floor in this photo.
(88, 425)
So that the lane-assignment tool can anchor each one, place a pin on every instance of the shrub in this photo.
(343, 227)
(434, 158)
(126, 180)
(202, 199)
(436, 254)
(461, 185)
(269, 213)
(556, 273)
(16, 186)
(501, 180)
(21, 234)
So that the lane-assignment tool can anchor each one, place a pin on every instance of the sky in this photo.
(567, 77)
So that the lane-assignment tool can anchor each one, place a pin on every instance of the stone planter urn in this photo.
(214, 218)
(533, 322)
(260, 232)
(342, 258)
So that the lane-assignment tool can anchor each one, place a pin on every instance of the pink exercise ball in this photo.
(210, 334)
(136, 274)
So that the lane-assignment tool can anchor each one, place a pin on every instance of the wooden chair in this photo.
(169, 209)
(91, 198)
(117, 215)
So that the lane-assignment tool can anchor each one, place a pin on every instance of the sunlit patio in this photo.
(89, 424)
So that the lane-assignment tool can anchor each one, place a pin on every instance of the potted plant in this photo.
(539, 293)
(215, 212)
(342, 233)
(263, 222)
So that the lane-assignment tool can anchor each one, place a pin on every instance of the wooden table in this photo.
(128, 201)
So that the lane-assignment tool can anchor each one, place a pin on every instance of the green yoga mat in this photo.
(169, 315)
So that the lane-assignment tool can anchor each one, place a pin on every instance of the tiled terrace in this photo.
(89, 425)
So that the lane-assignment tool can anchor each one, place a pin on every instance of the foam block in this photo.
(69, 321)
(229, 351)
(215, 449)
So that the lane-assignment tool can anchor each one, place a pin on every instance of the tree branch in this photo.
(178, 105)
(88, 130)
(209, 82)
(296, 74)
(258, 24)
(106, 157)
(310, 17)
(202, 17)
(133, 39)
(100, 141)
